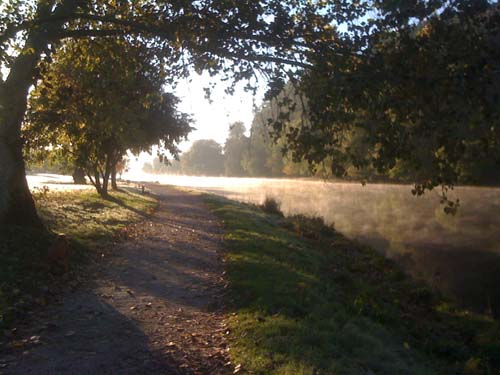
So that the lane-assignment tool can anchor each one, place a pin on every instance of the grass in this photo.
(89, 219)
(306, 300)
(90, 223)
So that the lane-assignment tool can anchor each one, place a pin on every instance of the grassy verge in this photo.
(89, 219)
(89, 222)
(306, 300)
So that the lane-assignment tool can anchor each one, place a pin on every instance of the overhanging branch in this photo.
(86, 33)
(268, 58)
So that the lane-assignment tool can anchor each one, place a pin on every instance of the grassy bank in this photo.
(306, 300)
(89, 222)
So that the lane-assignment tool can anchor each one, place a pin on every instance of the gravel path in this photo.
(155, 306)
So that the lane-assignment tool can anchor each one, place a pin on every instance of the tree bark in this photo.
(105, 178)
(79, 176)
(114, 185)
(97, 182)
(16, 203)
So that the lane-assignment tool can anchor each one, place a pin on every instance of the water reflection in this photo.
(459, 255)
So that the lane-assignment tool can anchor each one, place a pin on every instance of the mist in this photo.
(458, 255)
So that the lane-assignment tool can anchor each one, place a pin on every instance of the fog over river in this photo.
(459, 255)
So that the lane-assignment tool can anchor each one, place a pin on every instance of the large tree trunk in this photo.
(16, 204)
(97, 182)
(105, 178)
(79, 176)
(114, 185)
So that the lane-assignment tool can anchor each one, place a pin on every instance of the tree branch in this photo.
(267, 58)
(86, 33)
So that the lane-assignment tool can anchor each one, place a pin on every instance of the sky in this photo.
(211, 119)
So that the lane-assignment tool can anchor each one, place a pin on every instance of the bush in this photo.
(271, 206)
(310, 227)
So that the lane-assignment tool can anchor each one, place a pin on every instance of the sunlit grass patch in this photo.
(309, 301)
(86, 217)
(87, 220)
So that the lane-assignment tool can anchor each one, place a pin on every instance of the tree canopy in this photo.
(203, 158)
(384, 66)
(420, 91)
(236, 38)
(234, 148)
(96, 100)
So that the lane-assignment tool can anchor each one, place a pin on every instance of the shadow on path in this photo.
(155, 306)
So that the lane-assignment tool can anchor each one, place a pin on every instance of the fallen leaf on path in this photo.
(16, 344)
(35, 340)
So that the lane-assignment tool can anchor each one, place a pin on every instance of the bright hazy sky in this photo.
(212, 120)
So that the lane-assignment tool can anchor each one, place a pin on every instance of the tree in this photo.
(119, 168)
(203, 158)
(98, 99)
(421, 87)
(148, 168)
(234, 150)
(162, 165)
(235, 38)
(333, 48)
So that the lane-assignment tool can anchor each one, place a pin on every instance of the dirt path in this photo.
(155, 308)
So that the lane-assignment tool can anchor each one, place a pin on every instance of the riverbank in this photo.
(306, 300)
(458, 255)
(299, 297)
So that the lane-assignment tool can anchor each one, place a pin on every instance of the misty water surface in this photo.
(459, 255)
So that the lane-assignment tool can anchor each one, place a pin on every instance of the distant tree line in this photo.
(263, 153)
(253, 155)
